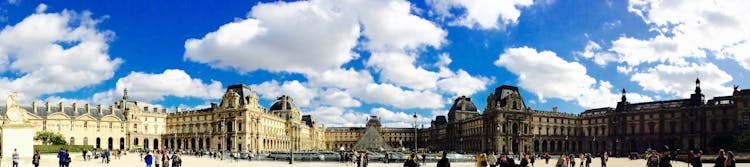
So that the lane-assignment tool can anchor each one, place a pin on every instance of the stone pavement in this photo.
(132, 160)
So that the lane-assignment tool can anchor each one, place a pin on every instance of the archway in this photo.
(544, 146)
(122, 143)
(145, 143)
(536, 145)
(156, 144)
(179, 144)
(85, 140)
(200, 144)
(135, 141)
(208, 143)
(98, 142)
(72, 141)
(109, 143)
(192, 143)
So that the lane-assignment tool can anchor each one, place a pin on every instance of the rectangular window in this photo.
(746, 120)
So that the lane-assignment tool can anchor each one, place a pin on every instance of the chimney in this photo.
(99, 107)
(88, 108)
(46, 104)
(111, 109)
(554, 109)
(62, 107)
(75, 108)
(33, 106)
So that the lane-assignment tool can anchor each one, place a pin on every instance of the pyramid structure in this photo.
(372, 139)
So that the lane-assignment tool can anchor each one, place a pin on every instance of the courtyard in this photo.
(132, 160)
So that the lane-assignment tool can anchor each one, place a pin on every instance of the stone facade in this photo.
(508, 125)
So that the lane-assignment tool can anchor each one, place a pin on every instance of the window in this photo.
(85, 124)
(239, 127)
(58, 125)
(746, 120)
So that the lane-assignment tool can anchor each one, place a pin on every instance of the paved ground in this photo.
(132, 160)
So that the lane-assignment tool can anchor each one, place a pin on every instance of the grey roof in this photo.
(42, 111)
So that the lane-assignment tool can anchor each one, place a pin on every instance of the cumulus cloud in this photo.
(334, 116)
(398, 119)
(399, 68)
(149, 88)
(54, 53)
(394, 96)
(549, 76)
(678, 80)
(339, 98)
(595, 52)
(302, 94)
(489, 14)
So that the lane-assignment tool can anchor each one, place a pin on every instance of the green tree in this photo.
(47, 137)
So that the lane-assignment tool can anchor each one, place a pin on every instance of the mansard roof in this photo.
(94, 112)
(463, 103)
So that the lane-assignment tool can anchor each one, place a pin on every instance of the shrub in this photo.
(56, 148)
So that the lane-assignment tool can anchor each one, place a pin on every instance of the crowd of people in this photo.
(724, 159)
(161, 158)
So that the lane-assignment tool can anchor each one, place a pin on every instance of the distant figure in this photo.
(444, 162)
(605, 158)
(572, 160)
(524, 161)
(157, 158)
(61, 156)
(720, 159)
(588, 159)
(696, 161)
(492, 159)
(36, 158)
(689, 158)
(15, 158)
(482, 160)
(546, 158)
(176, 159)
(411, 161)
(730, 160)
(362, 160)
(561, 161)
(533, 157)
(664, 160)
(84, 154)
(165, 159)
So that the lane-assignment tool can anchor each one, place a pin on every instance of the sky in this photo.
(342, 60)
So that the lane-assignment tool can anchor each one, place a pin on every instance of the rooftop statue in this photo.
(14, 113)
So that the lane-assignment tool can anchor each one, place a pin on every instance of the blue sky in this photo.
(344, 60)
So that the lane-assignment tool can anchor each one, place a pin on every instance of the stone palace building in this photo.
(239, 123)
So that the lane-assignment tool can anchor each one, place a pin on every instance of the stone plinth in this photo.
(21, 138)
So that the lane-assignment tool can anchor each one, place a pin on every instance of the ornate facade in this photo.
(238, 123)
(508, 125)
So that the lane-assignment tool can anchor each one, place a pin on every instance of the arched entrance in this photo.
(192, 143)
(156, 143)
(109, 143)
(135, 141)
(98, 143)
(145, 143)
(536, 145)
(122, 143)
(200, 144)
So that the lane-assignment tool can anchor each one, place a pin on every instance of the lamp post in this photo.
(617, 146)
(497, 129)
(415, 132)
(291, 139)
(566, 144)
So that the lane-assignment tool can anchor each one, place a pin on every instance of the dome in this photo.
(463, 103)
(282, 103)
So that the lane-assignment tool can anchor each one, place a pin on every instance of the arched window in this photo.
(72, 141)
(85, 141)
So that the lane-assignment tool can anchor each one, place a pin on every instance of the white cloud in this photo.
(481, 14)
(340, 78)
(547, 75)
(301, 37)
(147, 87)
(338, 117)
(53, 53)
(688, 29)
(338, 98)
(41, 8)
(399, 68)
(14, 2)
(595, 52)
(462, 83)
(679, 80)
(394, 96)
(390, 25)
(302, 94)
(398, 119)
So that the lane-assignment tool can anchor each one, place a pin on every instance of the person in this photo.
(84, 154)
(176, 159)
(561, 161)
(444, 162)
(492, 159)
(35, 159)
(533, 157)
(652, 159)
(61, 157)
(689, 158)
(572, 160)
(696, 161)
(588, 159)
(665, 159)
(524, 161)
(250, 157)
(424, 159)
(148, 159)
(411, 161)
(67, 158)
(482, 160)
(362, 160)
(730, 160)
(157, 158)
(107, 153)
(503, 162)
(720, 159)
(605, 158)
(546, 158)
(15, 158)
(165, 159)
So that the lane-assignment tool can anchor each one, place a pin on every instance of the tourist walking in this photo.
(157, 158)
(730, 160)
(652, 159)
(689, 158)
(546, 158)
(35, 159)
(165, 159)
(482, 160)
(15, 158)
(411, 161)
(561, 161)
(362, 160)
(61, 157)
(444, 162)
(84, 154)
(605, 158)
(664, 160)
(524, 161)
(588, 159)
(572, 160)
(148, 159)
(492, 159)
(533, 157)
(696, 161)
(176, 159)
(720, 159)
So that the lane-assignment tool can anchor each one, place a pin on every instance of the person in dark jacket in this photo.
(720, 160)
(411, 161)
(664, 160)
(524, 161)
(444, 162)
(362, 160)
(696, 161)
